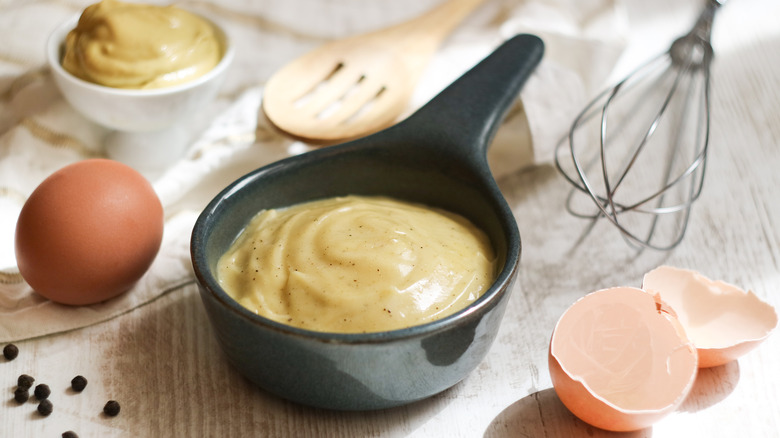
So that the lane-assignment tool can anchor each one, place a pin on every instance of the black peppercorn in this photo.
(25, 381)
(69, 434)
(78, 383)
(111, 408)
(42, 391)
(45, 408)
(10, 351)
(21, 395)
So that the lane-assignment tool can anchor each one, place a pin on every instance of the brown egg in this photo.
(619, 360)
(722, 320)
(88, 232)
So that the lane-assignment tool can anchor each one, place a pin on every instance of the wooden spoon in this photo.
(355, 86)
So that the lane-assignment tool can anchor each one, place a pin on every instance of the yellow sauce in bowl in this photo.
(357, 264)
(140, 46)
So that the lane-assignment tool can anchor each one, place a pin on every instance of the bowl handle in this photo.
(464, 117)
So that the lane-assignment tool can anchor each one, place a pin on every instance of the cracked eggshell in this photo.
(619, 361)
(723, 321)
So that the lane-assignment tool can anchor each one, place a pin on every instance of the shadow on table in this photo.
(186, 387)
(543, 414)
(711, 386)
(171, 377)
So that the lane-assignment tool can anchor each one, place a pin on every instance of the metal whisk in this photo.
(614, 159)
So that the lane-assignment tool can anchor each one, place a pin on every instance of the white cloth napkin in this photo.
(40, 133)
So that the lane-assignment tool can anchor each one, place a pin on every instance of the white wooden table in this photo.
(162, 363)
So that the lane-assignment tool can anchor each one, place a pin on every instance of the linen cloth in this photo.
(40, 132)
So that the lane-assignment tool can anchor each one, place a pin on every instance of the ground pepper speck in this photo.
(78, 383)
(42, 391)
(21, 395)
(25, 381)
(10, 352)
(45, 408)
(111, 408)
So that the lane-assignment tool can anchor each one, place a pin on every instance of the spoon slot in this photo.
(338, 85)
(366, 108)
(344, 102)
(358, 100)
(309, 94)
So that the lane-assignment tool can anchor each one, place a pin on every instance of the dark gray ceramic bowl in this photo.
(436, 157)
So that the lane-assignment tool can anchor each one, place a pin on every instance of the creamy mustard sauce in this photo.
(357, 264)
(133, 45)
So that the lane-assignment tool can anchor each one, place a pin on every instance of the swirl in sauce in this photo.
(357, 264)
(133, 45)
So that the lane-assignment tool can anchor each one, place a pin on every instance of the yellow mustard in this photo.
(133, 45)
(357, 264)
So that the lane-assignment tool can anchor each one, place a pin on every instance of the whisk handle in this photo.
(703, 26)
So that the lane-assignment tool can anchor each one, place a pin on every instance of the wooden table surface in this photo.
(162, 363)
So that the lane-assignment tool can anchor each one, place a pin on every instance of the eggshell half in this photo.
(619, 361)
(723, 321)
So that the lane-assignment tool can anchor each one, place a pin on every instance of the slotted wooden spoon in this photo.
(356, 86)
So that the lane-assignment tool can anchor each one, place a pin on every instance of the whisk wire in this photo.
(589, 112)
(685, 66)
